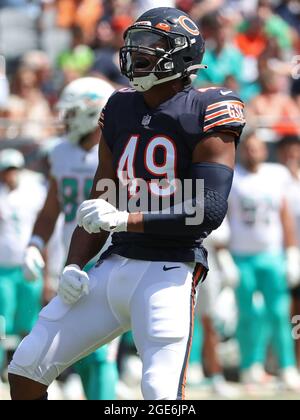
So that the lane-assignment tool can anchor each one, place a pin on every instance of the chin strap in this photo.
(197, 67)
(142, 84)
(168, 79)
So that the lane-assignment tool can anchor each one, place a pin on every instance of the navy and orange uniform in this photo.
(154, 144)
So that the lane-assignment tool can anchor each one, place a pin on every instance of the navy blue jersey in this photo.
(154, 144)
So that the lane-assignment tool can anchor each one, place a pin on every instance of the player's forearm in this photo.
(290, 239)
(44, 226)
(203, 221)
(84, 247)
(198, 215)
(46, 221)
(184, 224)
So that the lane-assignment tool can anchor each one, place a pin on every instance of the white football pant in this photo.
(153, 299)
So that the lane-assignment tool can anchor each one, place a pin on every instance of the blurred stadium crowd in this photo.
(244, 325)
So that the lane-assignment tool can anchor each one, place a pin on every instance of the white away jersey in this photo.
(73, 169)
(254, 209)
(18, 212)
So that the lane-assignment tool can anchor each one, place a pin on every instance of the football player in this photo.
(288, 149)
(159, 133)
(20, 301)
(264, 248)
(73, 164)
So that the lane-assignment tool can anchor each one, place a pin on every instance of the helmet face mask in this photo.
(80, 105)
(164, 44)
(148, 51)
(79, 123)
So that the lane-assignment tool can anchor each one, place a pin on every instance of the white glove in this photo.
(231, 274)
(293, 267)
(33, 263)
(97, 215)
(73, 284)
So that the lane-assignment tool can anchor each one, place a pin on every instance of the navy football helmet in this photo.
(164, 44)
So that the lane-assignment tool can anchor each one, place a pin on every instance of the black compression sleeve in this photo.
(212, 205)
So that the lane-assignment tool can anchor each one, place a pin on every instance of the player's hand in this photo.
(33, 263)
(293, 267)
(73, 284)
(97, 215)
(230, 272)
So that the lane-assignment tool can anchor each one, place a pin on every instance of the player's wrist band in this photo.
(38, 242)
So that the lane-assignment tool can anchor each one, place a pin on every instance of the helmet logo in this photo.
(189, 25)
(163, 27)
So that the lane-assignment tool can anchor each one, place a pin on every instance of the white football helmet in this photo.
(11, 158)
(81, 103)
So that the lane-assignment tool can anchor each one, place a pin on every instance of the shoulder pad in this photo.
(222, 109)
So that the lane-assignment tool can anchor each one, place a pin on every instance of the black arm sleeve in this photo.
(212, 205)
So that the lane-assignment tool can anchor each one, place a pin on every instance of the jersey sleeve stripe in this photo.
(215, 115)
(101, 120)
(222, 122)
(225, 116)
(223, 103)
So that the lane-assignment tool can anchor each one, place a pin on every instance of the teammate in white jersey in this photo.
(21, 198)
(264, 248)
(289, 155)
(73, 164)
(73, 168)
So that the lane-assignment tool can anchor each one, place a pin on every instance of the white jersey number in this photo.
(164, 171)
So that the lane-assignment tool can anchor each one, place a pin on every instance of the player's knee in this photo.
(151, 388)
(27, 358)
(155, 387)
